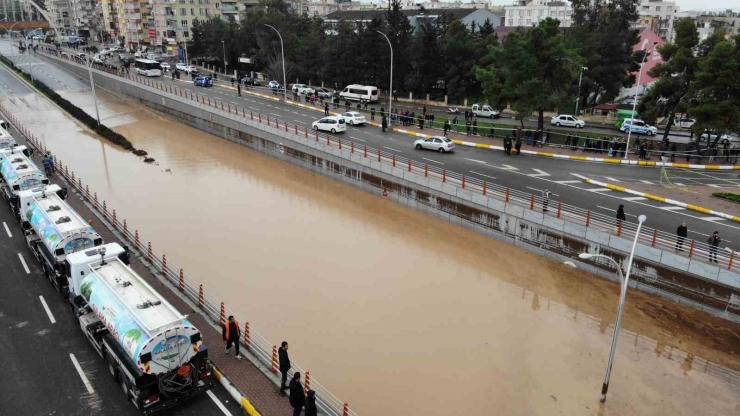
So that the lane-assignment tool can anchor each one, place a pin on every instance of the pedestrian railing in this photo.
(693, 250)
(214, 309)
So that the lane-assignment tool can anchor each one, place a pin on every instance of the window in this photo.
(542, 12)
(511, 22)
(529, 22)
(183, 11)
(511, 13)
(561, 14)
(521, 13)
(529, 12)
(553, 13)
(184, 23)
(657, 8)
(217, 5)
(646, 8)
(521, 22)
(669, 8)
(201, 12)
(186, 34)
(192, 12)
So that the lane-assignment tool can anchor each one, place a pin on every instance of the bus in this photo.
(148, 67)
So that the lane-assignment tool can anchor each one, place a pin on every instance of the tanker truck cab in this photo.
(152, 351)
(54, 230)
(25, 198)
(6, 140)
(18, 172)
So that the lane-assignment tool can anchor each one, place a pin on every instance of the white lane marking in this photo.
(476, 161)
(599, 190)
(679, 184)
(540, 191)
(612, 179)
(433, 161)
(276, 115)
(539, 173)
(712, 219)
(390, 148)
(612, 209)
(478, 173)
(578, 176)
(20, 256)
(635, 198)
(567, 182)
(218, 403)
(48, 311)
(696, 232)
(356, 138)
(509, 167)
(299, 121)
(7, 230)
(672, 208)
(82, 374)
(647, 182)
(716, 186)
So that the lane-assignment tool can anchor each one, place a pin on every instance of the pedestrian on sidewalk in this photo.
(454, 124)
(384, 123)
(421, 121)
(529, 138)
(311, 409)
(297, 397)
(372, 113)
(682, 233)
(574, 143)
(232, 335)
(446, 127)
(713, 241)
(467, 127)
(518, 145)
(326, 109)
(475, 126)
(239, 90)
(673, 152)
(620, 217)
(545, 199)
(51, 161)
(284, 366)
(507, 142)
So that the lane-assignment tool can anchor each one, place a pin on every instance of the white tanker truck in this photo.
(152, 351)
(18, 172)
(53, 230)
(6, 140)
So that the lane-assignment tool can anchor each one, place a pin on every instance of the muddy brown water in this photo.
(396, 312)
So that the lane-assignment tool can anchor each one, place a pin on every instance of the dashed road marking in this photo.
(566, 182)
(612, 209)
(7, 230)
(599, 190)
(508, 167)
(635, 198)
(612, 179)
(539, 173)
(540, 191)
(390, 148)
(48, 311)
(433, 161)
(218, 403)
(299, 121)
(23, 261)
(481, 174)
(354, 138)
(82, 374)
(578, 176)
(476, 161)
(672, 208)
(712, 219)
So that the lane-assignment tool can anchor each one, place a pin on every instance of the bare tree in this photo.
(275, 68)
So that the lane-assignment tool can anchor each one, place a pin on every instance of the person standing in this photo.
(239, 89)
(384, 123)
(620, 216)
(232, 335)
(467, 127)
(372, 113)
(311, 409)
(682, 233)
(47, 166)
(713, 241)
(284, 366)
(297, 397)
(51, 161)
(545, 199)
(507, 140)
(518, 145)
(446, 127)
(454, 124)
(326, 109)
(475, 126)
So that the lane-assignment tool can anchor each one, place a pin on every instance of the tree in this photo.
(602, 31)
(675, 74)
(460, 59)
(716, 105)
(399, 31)
(533, 71)
(427, 57)
(486, 29)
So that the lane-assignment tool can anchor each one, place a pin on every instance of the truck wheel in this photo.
(112, 370)
(124, 386)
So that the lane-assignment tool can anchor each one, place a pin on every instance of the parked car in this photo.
(164, 65)
(304, 90)
(251, 81)
(568, 121)
(203, 81)
(440, 144)
(37, 37)
(638, 126)
(485, 110)
(685, 123)
(188, 69)
(723, 139)
(296, 87)
(81, 57)
(353, 118)
(274, 84)
(333, 124)
(125, 57)
(324, 93)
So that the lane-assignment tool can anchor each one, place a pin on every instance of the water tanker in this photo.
(18, 172)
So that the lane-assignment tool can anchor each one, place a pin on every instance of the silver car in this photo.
(440, 144)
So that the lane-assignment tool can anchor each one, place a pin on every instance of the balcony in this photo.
(229, 8)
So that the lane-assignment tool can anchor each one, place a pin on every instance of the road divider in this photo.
(236, 394)
(664, 200)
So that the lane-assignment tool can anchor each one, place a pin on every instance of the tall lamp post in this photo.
(282, 54)
(390, 85)
(10, 33)
(624, 280)
(223, 47)
(92, 86)
(580, 79)
(634, 103)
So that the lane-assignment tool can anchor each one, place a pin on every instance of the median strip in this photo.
(664, 200)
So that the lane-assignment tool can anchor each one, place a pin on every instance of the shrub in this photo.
(727, 195)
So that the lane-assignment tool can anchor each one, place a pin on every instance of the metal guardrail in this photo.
(214, 309)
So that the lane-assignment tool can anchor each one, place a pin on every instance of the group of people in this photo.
(298, 398)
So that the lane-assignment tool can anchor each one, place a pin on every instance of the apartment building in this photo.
(707, 23)
(531, 12)
(662, 14)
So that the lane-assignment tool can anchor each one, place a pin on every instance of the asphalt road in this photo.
(524, 173)
(42, 343)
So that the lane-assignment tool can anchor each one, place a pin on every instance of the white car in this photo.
(296, 87)
(568, 121)
(440, 144)
(164, 65)
(333, 124)
(638, 126)
(354, 118)
(725, 138)
(485, 110)
(273, 84)
(188, 69)
(37, 37)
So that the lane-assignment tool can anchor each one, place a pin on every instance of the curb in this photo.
(665, 200)
(235, 393)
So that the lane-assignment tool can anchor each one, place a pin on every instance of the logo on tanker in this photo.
(170, 349)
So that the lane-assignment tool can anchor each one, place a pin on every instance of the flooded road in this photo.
(394, 311)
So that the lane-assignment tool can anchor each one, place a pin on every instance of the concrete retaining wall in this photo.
(654, 271)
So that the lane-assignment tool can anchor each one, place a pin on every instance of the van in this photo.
(360, 93)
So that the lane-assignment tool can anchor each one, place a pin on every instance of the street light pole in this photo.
(223, 47)
(390, 85)
(282, 53)
(10, 33)
(624, 280)
(92, 86)
(578, 100)
(634, 103)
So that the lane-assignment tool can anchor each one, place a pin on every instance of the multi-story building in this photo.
(530, 12)
(708, 23)
(663, 14)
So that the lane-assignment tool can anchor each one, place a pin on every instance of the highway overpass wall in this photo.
(703, 286)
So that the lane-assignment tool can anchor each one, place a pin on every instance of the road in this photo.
(50, 367)
(524, 173)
